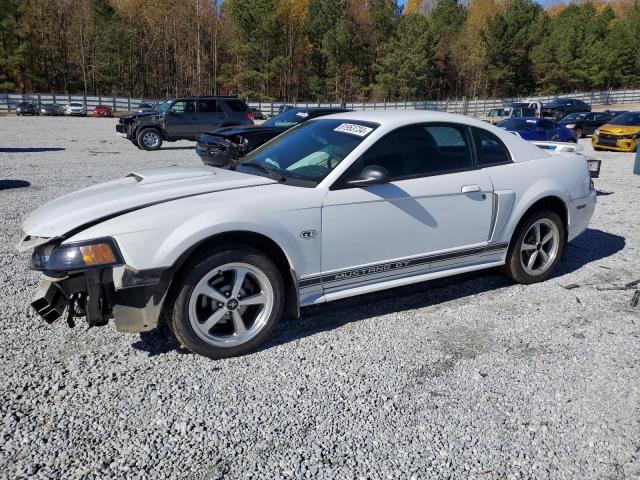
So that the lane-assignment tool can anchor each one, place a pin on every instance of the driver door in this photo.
(181, 120)
(435, 211)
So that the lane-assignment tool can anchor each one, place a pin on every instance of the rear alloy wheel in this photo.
(149, 139)
(228, 303)
(579, 133)
(536, 248)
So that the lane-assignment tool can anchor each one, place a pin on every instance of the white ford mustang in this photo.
(339, 206)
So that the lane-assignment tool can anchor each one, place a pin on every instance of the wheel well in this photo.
(256, 241)
(554, 204)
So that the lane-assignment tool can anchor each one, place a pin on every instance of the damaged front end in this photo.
(221, 152)
(90, 280)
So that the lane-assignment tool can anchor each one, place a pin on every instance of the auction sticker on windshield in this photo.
(353, 129)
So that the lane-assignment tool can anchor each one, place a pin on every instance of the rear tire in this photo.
(536, 247)
(226, 303)
(149, 139)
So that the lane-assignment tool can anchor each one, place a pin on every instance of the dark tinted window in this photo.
(236, 105)
(629, 118)
(546, 124)
(184, 106)
(208, 106)
(489, 148)
(421, 150)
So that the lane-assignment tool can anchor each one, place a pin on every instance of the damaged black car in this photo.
(220, 148)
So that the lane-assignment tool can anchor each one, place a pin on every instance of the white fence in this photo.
(474, 106)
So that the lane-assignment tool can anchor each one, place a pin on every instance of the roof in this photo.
(393, 118)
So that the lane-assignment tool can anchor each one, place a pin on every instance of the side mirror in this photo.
(371, 175)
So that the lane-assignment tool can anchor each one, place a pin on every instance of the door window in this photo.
(184, 106)
(489, 149)
(208, 106)
(421, 150)
(546, 124)
(599, 116)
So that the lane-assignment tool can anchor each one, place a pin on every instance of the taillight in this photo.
(250, 115)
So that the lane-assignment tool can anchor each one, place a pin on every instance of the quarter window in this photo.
(489, 149)
(237, 105)
(208, 106)
(421, 150)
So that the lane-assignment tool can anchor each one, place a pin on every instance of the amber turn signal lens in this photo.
(97, 254)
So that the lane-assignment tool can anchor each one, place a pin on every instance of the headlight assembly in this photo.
(597, 131)
(97, 253)
(571, 125)
(633, 135)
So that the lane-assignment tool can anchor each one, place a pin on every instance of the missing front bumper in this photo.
(134, 300)
(88, 294)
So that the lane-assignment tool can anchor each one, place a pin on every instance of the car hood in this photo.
(132, 115)
(243, 130)
(619, 129)
(136, 190)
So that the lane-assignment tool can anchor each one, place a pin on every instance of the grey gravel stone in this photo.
(470, 377)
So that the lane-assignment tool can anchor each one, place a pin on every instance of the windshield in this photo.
(630, 118)
(164, 106)
(309, 151)
(575, 116)
(557, 102)
(288, 118)
(75, 104)
(517, 124)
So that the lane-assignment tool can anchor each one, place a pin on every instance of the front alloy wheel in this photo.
(227, 303)
(231, 304)
(149, 139)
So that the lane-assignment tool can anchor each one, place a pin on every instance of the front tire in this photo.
(536, 248)
(227, 303)
(149, 139)
(579, 133)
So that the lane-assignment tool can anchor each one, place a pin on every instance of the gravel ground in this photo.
(469, 377)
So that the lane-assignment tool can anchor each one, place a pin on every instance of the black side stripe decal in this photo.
(396, 265)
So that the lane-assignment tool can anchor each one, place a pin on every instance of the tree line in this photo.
(335, 50)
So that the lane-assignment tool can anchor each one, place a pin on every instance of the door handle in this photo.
(470, 188)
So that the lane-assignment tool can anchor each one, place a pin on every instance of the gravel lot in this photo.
(470, 377)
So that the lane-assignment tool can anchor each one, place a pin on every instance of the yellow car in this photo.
(620, 134)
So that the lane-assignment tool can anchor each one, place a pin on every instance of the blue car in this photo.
(534, 128)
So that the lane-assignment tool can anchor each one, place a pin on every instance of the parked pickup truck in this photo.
(182, 119)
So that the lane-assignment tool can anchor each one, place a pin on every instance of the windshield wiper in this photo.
(269, 171)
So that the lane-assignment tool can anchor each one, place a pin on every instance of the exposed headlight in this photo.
(597, 131)
(97, 253)
(571, 125)
(633, 135)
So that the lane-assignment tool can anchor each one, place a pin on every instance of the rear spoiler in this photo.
(562, 147)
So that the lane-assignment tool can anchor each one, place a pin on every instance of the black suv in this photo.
(561, 107)
(182, 119)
